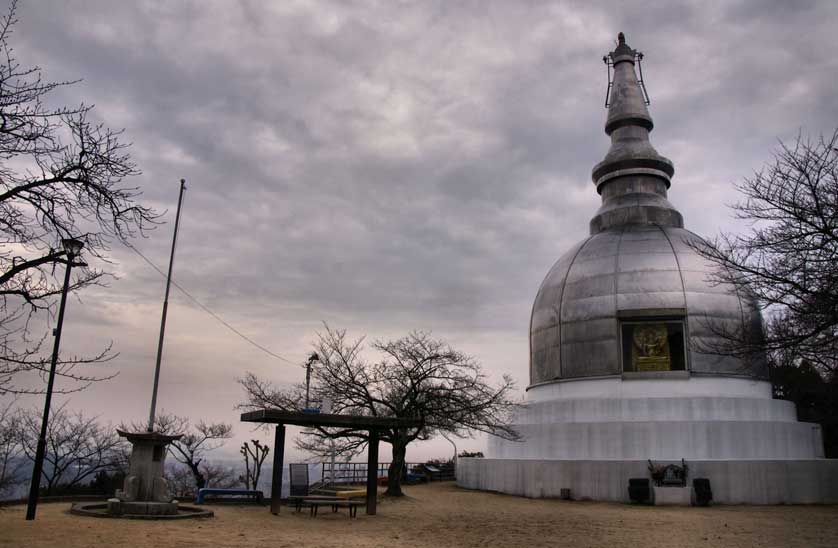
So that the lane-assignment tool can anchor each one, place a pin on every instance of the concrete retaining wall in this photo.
(732, 481)
(682, 408)
(693, 440)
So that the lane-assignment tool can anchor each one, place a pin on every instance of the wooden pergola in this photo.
(371, 424)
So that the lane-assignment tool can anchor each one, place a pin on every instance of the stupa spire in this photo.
(626, 100)
(632, 178)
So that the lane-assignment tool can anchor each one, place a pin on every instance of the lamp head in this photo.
(72, 246)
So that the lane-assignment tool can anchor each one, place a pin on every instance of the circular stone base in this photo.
(119, 507)
(100, 510)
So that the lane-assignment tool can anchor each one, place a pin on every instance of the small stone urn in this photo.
(145, 491)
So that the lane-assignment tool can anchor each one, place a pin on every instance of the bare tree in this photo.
(61, 176)
(257, 454)
(182, 482)
(788, 261)
(78, 447)
(11, 452)
(191, 449)
(415, 377)
(221, 476)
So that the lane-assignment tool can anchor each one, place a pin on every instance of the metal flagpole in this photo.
(165, 308)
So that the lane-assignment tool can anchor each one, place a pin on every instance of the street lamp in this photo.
(311, 359)
(455, 448)
(72, 248)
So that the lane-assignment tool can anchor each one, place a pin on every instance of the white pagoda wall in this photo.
(593, 435)
(732, 481)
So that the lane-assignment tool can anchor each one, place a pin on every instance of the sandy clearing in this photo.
(439, 515)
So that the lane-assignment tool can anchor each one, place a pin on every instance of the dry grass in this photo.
(439, 515)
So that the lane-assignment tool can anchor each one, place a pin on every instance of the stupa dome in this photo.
(636, 297)
(628, 276)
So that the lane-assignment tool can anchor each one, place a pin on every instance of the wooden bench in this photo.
(351, 493)
(250, 493)
(353, 505)
(298, 501)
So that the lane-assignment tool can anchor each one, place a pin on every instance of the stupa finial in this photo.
(626, 96)
(632, 166)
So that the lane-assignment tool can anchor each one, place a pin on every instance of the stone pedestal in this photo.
(673, 496)
(145, 490)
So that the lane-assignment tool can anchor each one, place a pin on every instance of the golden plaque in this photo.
(650, 348)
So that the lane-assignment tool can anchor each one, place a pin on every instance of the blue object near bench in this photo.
(202, 493)
(415, 478)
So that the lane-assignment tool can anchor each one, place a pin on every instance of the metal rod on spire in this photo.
(607, 60)
(165, 309)
(640, 81)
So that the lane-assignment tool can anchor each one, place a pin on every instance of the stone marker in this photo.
(145, 490)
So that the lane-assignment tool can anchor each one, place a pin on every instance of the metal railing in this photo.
(355, 472)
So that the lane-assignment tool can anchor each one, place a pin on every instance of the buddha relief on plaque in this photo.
(650, 348)
(653, 346)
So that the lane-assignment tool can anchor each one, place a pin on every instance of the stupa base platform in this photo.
(119, 507)
(673, 496)
(150, 511)
(805, 481)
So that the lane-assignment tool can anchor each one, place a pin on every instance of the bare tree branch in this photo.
(61, 176)
(78, 447)
(11, 452)
(255, 455)
(196, 441)
(415, 377)
(788, 261)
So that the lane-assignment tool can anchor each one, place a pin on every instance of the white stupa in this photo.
(620, 371)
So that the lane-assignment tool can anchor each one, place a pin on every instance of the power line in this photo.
(207, 310)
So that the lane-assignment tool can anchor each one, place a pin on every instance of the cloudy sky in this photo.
(389, 166)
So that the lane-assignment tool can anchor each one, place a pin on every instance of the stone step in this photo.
(695, 408)
(663, 440)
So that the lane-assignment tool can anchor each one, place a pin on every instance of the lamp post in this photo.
(311, 359)
(455, 449)
(71, 249)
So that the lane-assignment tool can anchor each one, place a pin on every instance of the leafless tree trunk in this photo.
(257, 453)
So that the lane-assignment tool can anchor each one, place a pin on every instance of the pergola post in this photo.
(276, 479)
(372, 472)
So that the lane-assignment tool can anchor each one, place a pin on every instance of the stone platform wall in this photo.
(812, 481)
(664, 440)
(695, 427)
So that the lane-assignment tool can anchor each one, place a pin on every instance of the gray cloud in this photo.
(386, 167)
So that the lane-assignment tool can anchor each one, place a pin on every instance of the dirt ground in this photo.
(439, 515)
